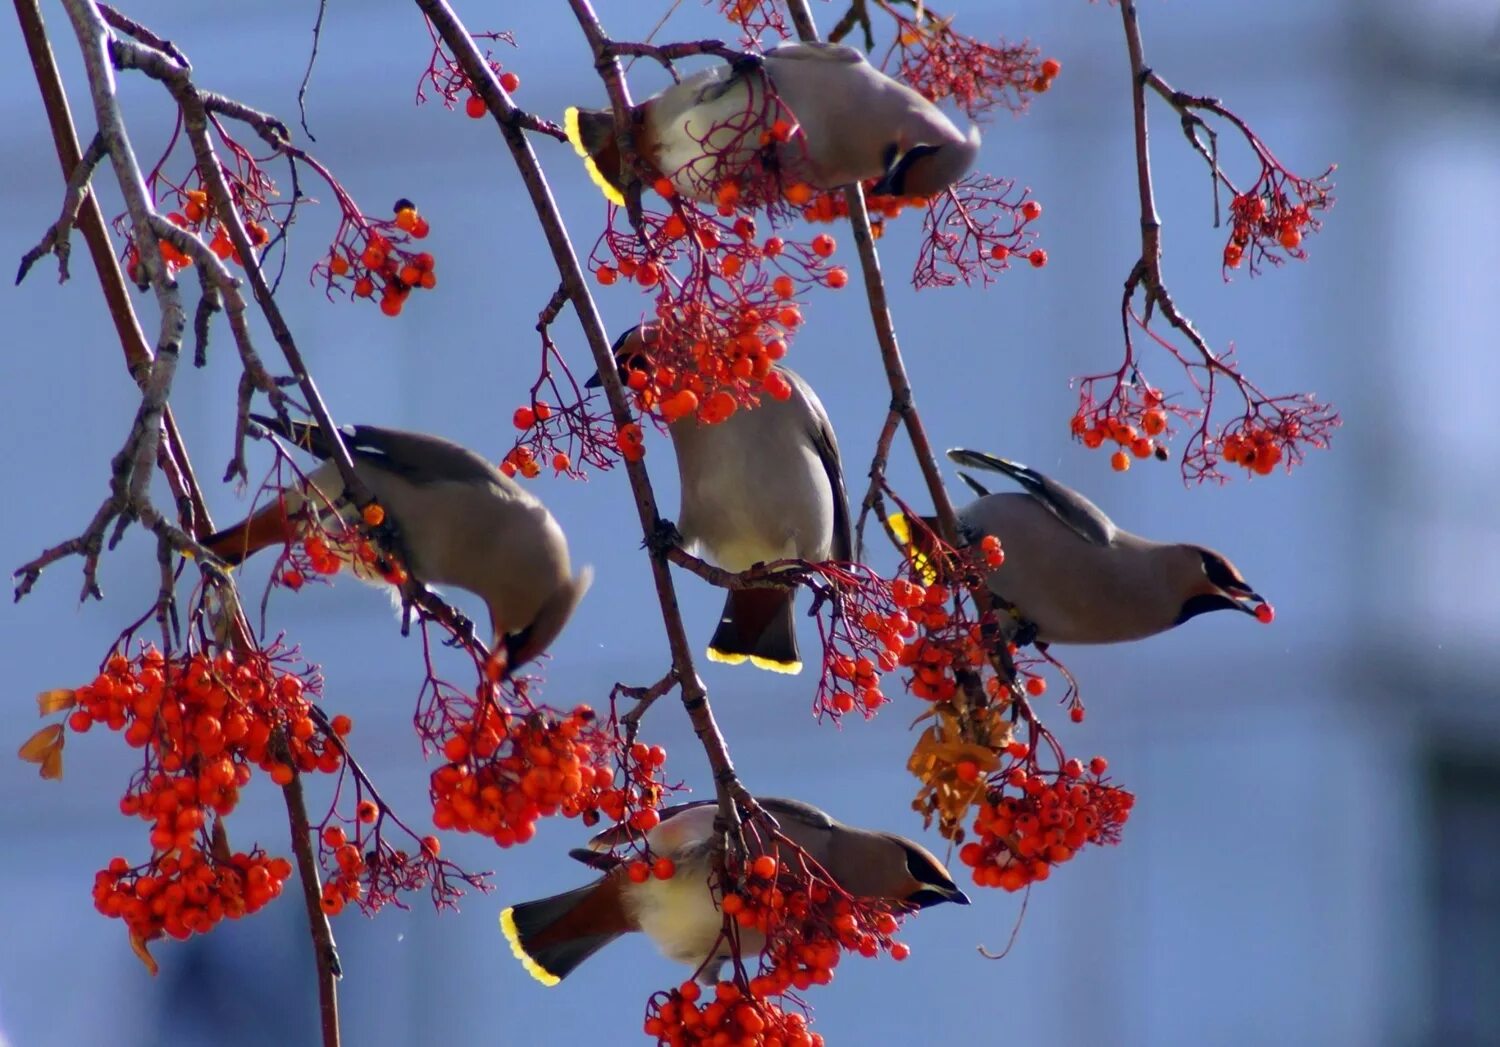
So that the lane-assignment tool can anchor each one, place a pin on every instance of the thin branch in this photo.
(694, 695)
(56, 239)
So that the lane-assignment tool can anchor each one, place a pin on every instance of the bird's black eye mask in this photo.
(893, 183)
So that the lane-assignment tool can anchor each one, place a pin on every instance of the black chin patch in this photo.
(1204, 603)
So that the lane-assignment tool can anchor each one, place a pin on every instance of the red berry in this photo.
(510, 81)
(475, 107)
(1265, 614)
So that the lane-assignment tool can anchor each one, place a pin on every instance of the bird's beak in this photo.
(1248, 601)
(958, 897)
(594, 381)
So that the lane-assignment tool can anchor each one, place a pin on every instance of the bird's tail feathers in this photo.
(920, 544)
(759, 626)
(591, 132)
(537, 935)
(269, 526)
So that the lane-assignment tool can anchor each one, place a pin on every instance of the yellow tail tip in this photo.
(570, 128)
(575, 139)
(768, 664)
(513, 936)
(725, 658)
(920, 563)
(772, 666)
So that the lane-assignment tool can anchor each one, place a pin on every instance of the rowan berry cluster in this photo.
(447, 78)
(194, 216)
(373, 255)
(203, 722)
(681, 1018)
(863, 640)
(938, 62)
(1135, 420)
(1019, 839)
(328, 549)
(1269, 222)
(505, 771)
(807, 925)
(367, 871)
(725, 303)
(756, 18)
(974, 230)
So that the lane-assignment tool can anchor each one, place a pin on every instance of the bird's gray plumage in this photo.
(855, 123)
(1076, 576)
(460, 521)
(680, 914)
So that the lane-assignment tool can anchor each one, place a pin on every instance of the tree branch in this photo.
(694, 695)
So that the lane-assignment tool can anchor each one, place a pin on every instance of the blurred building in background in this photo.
(1315, 855)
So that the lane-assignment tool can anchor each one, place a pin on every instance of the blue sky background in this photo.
(1296, 870)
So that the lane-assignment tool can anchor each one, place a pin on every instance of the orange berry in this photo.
(475, 107)
(1031, 210)
(783, 286)
(1050, 68)
(561, 462)
(648, 275)
(373, 514)
(639, 872)
(364, 287)
(392, 303)
(773, 247)
(367, 811)
(764, 866)
(1037, 258)
(606, 275)
(799, 193)
(1142, 447)
(664, 188)
(664, 868)
(823, 245)
(431, 846)
(524, 418)
(1289, 237)
(341, 725)
(510, 81)
(1119, 461)
(999, 252)
(838, 277)
(338, 265)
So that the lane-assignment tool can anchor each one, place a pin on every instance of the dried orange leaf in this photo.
(49, 702)
(39, 746)
(52, 764)
(138, 945)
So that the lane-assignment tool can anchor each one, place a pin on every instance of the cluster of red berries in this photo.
(506, 771)
(203, 722)
(938, 63)
(326, 552)
(194, 216)
(187, 892)
(946, 641)
(1254, 448)
(733, 1018)
(475, 106)
(370, 879)
(1265, 219)
(522, 458)
(1020, 838)
(874, 628)
(377, 256)
(721, 323)
(1133, 426)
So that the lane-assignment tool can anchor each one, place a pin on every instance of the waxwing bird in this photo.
(460, 522)
(764, 484)
(850, 123)
(551, 936)
(1075, 577)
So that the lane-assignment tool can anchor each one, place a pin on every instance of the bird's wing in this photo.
(827, 446)
(417, 457)
(1082, 516)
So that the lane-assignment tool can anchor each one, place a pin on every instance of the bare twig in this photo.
(56, 239)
